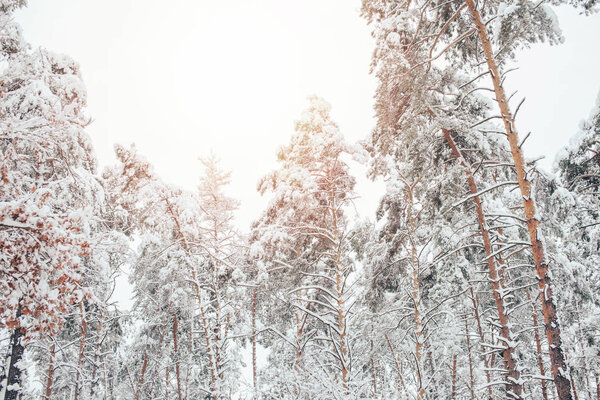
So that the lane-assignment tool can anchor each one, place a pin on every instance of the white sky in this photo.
(182, 78)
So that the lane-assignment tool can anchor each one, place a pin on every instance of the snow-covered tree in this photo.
(184, 276)
(48, 191)
(303, 238)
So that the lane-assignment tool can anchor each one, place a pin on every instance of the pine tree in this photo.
(48, 191)
(303, 236)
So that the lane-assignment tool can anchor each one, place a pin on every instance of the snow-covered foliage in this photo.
(302, 238)
(478, 278)
(58, 251)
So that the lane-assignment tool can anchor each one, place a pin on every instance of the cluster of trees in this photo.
(479, 278)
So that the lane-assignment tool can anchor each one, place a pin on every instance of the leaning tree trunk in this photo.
(514, 387)
(557, 358)
(13, 382)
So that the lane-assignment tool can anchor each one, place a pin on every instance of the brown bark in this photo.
(398, 368)
(575, 396)
(453, 394)
(140, 382)
(50, 375)
(343, 343)
(339, 279)
(557, 359)
(300, 323)
(513, 387)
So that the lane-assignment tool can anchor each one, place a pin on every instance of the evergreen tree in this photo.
(48, 192)
(303, 235)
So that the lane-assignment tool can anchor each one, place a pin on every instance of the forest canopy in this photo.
(477, 278)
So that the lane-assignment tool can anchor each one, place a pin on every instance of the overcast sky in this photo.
(182, 78)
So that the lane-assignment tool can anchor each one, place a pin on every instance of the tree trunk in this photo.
(575, 396)
(557, 359)
(50, 376)
(339, 284)
(401, 386)
(513, 386)
(453, 394)
(341, 314)
(140, 382)
(14, 370)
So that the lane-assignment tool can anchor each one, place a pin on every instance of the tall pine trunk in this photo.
(140, 382)
(513, 386)
(339, 285)
(50, 375)
(557, 359)
(453, 394)
(401, 385)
